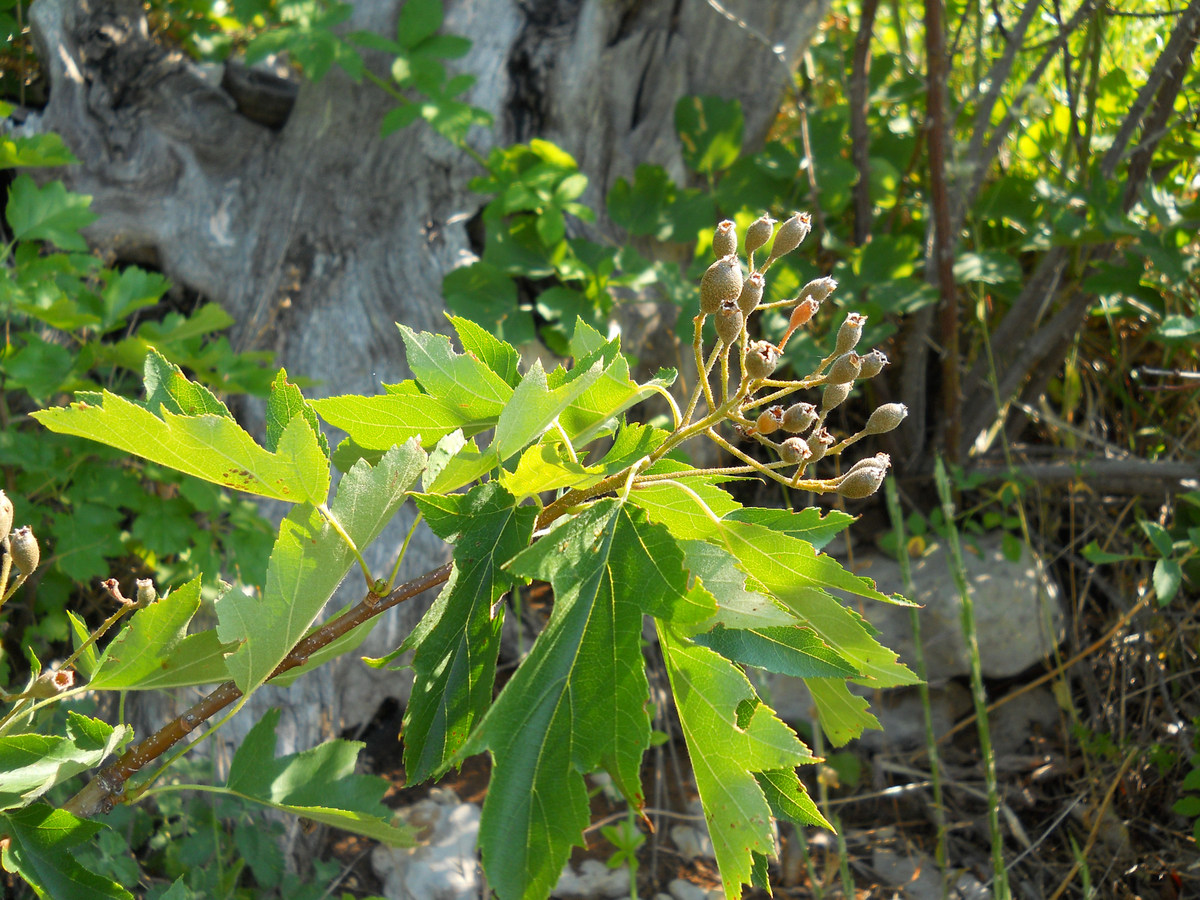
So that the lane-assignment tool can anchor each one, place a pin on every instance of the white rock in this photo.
(444, 867)
(685, 890)
(594, 879)
(692, 842)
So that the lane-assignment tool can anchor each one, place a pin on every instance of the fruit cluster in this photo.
(756, 405)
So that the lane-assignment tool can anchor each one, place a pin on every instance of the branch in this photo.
(1107, 476)
(941, 249)
(860, 136)
(979, 160)
(104, 791)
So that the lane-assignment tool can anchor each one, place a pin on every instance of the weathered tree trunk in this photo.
(320, 235)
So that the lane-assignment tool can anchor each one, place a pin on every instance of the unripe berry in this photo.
(752, 291)
(722, 281)
(25, 551)
(789, 236)
(820, 442)
(145, 592)
(729, 321)
(844, 369)
(872, 364)
(850, 333)
(769, 420)
(834, 395)
(798, 417)
(865, 477)
(794, 451)
(818, 289)
(51, 684)
(761, 360)
(759, 233)
(725, 239)
(885, 418)
(6, 515)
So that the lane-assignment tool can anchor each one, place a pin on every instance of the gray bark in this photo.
(318, 236)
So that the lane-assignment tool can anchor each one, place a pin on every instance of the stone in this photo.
(692, 842)
(1018, 612)
(444, 865)
(591, 881)
(916, 874)
(686, 890)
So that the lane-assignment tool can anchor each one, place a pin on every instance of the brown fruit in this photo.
(759, 233)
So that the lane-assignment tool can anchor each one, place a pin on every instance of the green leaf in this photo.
(499, 356)
(42, 150)
(41, 367)
(1159, 537)
(487, 295)
(461, 380)
(154, 652)
(284, 404)
(388, 420)
(547, 466)
(399, 117)
(535, 405)
(458, 639)
(167, 387)
(807, 525)
(129, 290)
(988, 267)
(318, 784)
(34, 763)
(1093, 554)
(788, 650)
(710, 130)
(419, 19)
(579, 700)
(687, 507)
(737, 606)
(730, 736)
(40, 839)
(86, 538)
(595, 410)
(48, 213)
(1178, 329)
(789, 800)
(1167, 578)
(308, 562)
(843, 716)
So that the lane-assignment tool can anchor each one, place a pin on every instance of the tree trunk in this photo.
(320, 235)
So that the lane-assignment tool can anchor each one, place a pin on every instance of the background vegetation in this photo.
(1007, 190)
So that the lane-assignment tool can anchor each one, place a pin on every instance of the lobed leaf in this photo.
(211, 447)
(309, 561)
(731, 736)
(579, 700)
(457, 641)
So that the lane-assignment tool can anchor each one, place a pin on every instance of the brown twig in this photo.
(860, 135)
(104, 791)
(942, 246)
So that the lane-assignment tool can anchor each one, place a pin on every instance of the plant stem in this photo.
(978, 694)
(104, 791)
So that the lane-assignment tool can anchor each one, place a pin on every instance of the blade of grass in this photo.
(1000, 878)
